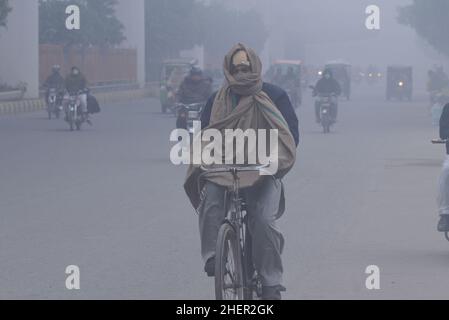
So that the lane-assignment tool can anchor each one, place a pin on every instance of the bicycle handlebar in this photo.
(440, 141)
(234, 168)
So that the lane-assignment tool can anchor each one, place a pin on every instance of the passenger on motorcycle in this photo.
(327, 85)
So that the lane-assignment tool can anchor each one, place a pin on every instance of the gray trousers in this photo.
(263, 204)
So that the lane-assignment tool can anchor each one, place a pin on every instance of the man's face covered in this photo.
(242, 69)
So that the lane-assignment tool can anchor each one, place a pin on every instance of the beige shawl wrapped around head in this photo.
(255, 110)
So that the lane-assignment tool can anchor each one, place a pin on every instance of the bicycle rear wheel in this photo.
(228, 268)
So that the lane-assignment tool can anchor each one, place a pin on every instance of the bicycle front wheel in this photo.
(228, 268)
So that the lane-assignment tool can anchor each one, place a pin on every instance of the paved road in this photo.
(108, 200)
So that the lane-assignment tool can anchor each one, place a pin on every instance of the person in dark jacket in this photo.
(443, 198)
(195, 88)
(327, 85)
(75, 81)
(75, 84)
(54, 81)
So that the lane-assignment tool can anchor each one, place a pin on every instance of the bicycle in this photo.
(235, 275)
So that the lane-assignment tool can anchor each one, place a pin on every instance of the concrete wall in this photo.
(132, 15)
(19, 50)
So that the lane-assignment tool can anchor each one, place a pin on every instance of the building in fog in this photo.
(19, 43)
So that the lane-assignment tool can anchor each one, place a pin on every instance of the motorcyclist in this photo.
(265, 199)
(195, 88)
(327, 85)
(54, 81)
(76, 84)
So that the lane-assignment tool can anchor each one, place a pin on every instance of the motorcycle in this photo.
(400, 83)
(75, 116)
(325, 102)
(187, 114)
(54, 106)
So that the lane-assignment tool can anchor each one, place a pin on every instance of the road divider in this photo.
(23, 106)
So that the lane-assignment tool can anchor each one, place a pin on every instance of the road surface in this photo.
(108, 200)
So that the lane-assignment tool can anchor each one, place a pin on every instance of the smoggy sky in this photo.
(325, 30)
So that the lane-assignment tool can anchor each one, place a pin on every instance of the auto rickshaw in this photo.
(342, 73)
(172, 75)
(400, 82)
(288, 74)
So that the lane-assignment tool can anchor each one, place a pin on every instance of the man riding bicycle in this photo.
(246, 102)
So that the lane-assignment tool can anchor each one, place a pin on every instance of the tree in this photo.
(4, 11)
(220, 28)
(99, 25)
(169, 26)
(181, 24)
(429, 19)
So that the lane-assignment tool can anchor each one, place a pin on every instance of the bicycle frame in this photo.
(236, 219)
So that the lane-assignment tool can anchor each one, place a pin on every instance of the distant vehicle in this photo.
(400, 82)
(326, 103)
(278, 74)
(373, 75)
(54, 103)
(172, 74)
(342, 72)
